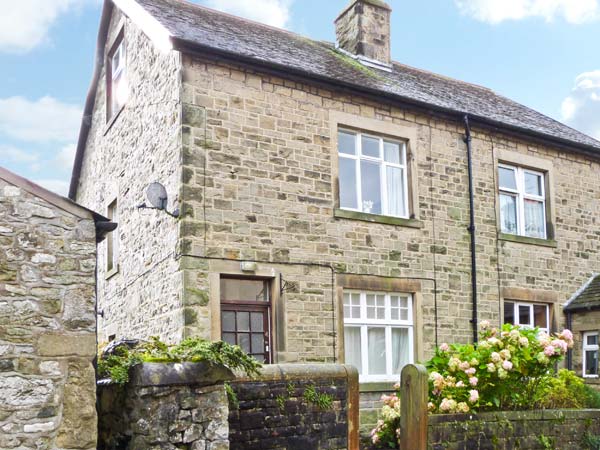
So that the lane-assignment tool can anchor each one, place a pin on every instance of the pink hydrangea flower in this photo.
(464, 366)
(473, 381)
(485, 324)
(507, 365)
(471, 371)
(549, 350)
(473, 395)
(444, 347)
(566, 335)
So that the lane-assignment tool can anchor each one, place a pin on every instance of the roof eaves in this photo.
(567, 306)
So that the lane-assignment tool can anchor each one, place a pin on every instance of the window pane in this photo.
(591, 362)
(371, 187)
(533, 184)
(228, 321)
(381, 307)
(352, 348)
(229, 338)
(400, 349)
(534, 219)
(391, 152)
(244, 290)
(258, 343)
(395, 192)
(524, 315)
(509, 312)
(377, 353)
(257, 321)
(592, 339)
(508, 213)
(506, 178)
(540, 316)
(243, 321)
(347, 143)
(348, 197)
(370, 147)
(244, 341)
(370, 306)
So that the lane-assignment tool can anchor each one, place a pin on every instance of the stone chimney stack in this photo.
(363, 30)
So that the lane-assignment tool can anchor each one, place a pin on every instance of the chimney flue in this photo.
(363, 30)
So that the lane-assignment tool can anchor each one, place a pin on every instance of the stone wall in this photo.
(276, 410)
(526, 430)
(47, 321)
(166, 406)
(141, 145)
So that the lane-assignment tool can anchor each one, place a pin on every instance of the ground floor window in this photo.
(246, 316)
(378, 333)
(590, 354)
(528, 315)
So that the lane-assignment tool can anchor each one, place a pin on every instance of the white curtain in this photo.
(377, 353)
(395, 192)
(400, 349)
(534, 218)
(352, 347)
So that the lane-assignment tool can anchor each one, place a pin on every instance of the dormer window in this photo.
(117, 89)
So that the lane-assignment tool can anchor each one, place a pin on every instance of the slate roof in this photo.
(222, 33)
(588, 297)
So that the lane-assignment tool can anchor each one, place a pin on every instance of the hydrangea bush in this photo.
(510, 368)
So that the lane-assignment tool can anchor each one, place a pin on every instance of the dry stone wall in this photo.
(47, 324)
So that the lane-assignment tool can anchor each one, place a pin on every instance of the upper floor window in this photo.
(372, 174)
(522, 201)
(528, 315)
(378, 333)
(117, 89)
(112, 240)
(590, 354)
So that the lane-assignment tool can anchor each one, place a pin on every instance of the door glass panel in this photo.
(257, 321)
(400, 349)
(508, 213)
(348, 184)
(229, 338)
(228, 321)
(243, 321)
(534, 218)
(244, 290)
(244, 341)
(370, 147)
(258, 343)
(533, 184)
(509, 312)
(540, 316)
(352, 348)
(347, 143)
(377, 351)
(524, 315)
(591, 362)
(370, 187)
(507, 178)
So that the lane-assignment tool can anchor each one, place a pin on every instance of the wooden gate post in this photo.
(413, 407)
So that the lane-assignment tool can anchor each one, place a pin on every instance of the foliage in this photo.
(232, 397)
(116, 366)
(509, 369)
(321, 400)
(590, 441)
(567, 390)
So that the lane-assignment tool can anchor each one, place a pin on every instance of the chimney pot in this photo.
(363, 29)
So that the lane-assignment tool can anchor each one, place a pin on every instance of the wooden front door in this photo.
(246, 316)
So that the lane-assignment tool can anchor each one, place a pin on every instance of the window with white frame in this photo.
(522, 201)
(117, 87)
(378, 333)
(528, 315)
(372, 174)
(590, 354)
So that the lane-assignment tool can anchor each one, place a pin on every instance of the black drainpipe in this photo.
(472, 226)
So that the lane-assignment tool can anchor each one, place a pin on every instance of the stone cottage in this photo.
(333, 204)
(47, 318)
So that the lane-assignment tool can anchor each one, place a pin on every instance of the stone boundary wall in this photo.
(275, 410)
(525, 430)
(166, 406)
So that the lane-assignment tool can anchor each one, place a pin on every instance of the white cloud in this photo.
(16, 155)
(61, 187)
(272, 12)
(43, 120)
(24, 24)
(496, 11)
(65, 157)
(581, 109)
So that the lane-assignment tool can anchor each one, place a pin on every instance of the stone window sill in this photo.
(527, 240)
(375, 218)
(380, 386)
(111, 273)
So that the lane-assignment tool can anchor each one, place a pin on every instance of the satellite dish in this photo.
(157, 195)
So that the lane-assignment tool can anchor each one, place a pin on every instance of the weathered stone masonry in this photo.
(47, 320)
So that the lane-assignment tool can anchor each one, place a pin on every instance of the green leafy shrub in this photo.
(567, 390)
(116, 366)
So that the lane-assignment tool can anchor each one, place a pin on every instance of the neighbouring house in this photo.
(334, 205)
(47, 318)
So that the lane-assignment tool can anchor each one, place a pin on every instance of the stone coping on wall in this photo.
(176, 374)
(498, 416)
(275, 372)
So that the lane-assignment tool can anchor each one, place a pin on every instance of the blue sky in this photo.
(542, 53)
